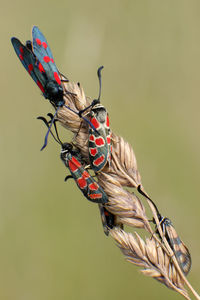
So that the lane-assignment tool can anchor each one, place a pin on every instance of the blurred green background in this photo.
(52, 244)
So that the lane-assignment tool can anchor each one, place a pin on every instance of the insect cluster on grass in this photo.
(38, 60)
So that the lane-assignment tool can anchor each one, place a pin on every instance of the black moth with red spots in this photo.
(38, 60)
(99, 143)
(100, 139)
(85, 182)
(74, 162)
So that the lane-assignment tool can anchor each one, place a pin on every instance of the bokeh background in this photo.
(52, 244)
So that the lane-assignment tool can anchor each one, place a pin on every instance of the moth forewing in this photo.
(99, 140)
(85, 182)
(180, 250)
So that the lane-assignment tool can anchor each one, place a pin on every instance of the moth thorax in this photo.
(66, 149)
(100, 113)
(98, 106)
(54, 91)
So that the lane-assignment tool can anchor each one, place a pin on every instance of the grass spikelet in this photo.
(153, 255)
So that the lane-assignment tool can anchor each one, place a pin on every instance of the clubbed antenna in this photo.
(99, 76)
(95, 101)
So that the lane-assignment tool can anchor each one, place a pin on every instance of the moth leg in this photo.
(68, 177)
(87, 167)
(50, 115)
(65, 78)
(77, 133)
(70, 93)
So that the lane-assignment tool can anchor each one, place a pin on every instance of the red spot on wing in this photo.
(30, 68)
(40, 67)
(94, 186)
(21, 56)
(95, 123)
(57, 78)
(21, 49)
(75, 161)
(108, 140)
(99, 160)
(85, 174)
(82, 183)
(107, 121)
(95, 196)
(93, 151)
(74, 164)
(91, 138)
(44, 45)
(38, 42)
(52, 60)
(46, 59)
(99, 141)
(40, 86)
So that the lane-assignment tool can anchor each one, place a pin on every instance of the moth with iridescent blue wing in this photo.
(38, 60)
(28, 60)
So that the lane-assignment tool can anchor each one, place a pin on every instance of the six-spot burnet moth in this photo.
(74, 162)
(99, 139)
(181, 252)
(89, 187)
(38, 60)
